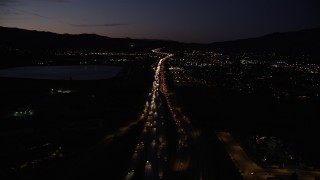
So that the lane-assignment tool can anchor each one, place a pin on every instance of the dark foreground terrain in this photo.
(56, 129)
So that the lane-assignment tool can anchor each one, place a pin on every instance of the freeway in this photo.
(169, 146)
(150, 159)
(251, 170)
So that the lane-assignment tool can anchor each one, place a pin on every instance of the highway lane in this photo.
(150, 157)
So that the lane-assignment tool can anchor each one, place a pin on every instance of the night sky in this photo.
(182, 20)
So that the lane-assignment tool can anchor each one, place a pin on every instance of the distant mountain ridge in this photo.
(305, 41)
(38, 40)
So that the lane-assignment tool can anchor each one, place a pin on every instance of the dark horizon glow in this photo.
(181, 20)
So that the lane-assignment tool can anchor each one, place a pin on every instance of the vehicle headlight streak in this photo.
(151, 150)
